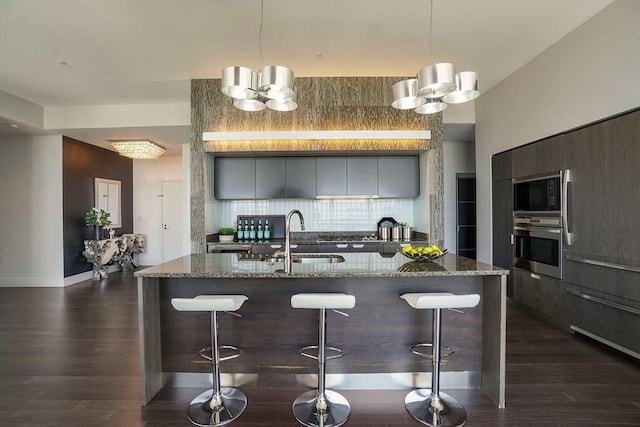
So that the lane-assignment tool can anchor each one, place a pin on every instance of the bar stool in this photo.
(220, 405)
(322, 407)
(430, 406)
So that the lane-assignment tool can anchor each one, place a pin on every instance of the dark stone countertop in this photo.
(230, 265)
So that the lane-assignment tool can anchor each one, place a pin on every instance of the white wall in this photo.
(459, 157)
(592, 73)
(147, 203)
(31, 211)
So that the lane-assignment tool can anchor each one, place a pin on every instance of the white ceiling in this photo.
(120, 52)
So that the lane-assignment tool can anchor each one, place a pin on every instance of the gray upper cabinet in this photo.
(331, 176)
(270, 177)
(308, 177)
(300, 177)
(398, 176)
(362, 176)
(235, 178)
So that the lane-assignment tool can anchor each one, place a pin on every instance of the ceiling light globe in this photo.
(250, 105)
(431, 107)
(437, 80)
(239, 82)
(288, 104)
(405, 95)
(276, 82)
(466, 88)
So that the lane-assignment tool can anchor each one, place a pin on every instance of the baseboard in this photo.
(31, 282)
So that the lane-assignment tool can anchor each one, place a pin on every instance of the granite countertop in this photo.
(229, 265)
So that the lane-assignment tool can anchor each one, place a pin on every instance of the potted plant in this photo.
(225, 234)
(97, 218)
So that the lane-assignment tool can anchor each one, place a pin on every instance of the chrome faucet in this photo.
(287, 238)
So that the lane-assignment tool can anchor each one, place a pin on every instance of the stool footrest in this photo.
(304, 352)
(205, 353)
(415, 349)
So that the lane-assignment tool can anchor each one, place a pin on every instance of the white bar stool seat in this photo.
(220, 405)
(430, 406)
(322, 407)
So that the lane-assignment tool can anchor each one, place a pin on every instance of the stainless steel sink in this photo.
(317, 259)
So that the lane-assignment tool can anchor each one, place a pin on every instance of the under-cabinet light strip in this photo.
(317, 134)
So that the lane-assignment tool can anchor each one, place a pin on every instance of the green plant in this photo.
(401, 224)
(97, 218)
(226, 231)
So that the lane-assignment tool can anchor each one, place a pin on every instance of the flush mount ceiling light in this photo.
(138, 149)
(436, 85)
(271, 87)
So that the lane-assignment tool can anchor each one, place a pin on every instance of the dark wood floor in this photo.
(69, 357)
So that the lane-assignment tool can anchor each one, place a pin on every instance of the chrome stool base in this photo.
(448, 413)
(336, 412)
(233, 405)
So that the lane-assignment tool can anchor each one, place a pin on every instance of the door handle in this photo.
(566, 179)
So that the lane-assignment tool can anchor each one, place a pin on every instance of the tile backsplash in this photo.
(319, 215)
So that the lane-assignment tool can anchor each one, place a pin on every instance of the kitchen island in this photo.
(376, 337)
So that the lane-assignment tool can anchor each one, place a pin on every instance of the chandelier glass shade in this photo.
(138, 149)
(271, 87)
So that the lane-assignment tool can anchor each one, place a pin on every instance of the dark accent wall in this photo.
(81, 163)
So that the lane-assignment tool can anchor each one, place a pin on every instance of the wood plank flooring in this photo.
(69, 357)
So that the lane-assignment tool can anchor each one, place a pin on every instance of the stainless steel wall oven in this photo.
(537, 245)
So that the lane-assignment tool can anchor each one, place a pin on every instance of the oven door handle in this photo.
(566, 179)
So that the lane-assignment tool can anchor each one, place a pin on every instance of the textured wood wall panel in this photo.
(325, 103)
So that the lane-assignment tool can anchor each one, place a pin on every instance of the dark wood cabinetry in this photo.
(541, 293)
(599, 294)
(503, 227)
(604, 192)
(541, 157)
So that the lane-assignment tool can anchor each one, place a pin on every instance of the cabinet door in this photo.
(398, 176)
(300, 177)
(604, 195)
(331, 176)
(501, 166)
(234, 178)
(270, 178)
(503, 227)
(540, 293)
(362, 176)
(537, 158)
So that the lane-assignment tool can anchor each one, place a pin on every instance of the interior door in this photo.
(171, 220)
(466, 215)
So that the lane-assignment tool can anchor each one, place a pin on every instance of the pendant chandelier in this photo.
(271, 87)
(436, 85)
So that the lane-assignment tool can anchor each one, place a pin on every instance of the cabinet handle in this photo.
(342, 245)
(293, 246)
(358, 246)
(602, 263)
(602, 301)
(535, 276)
(276, 246)
(566, 179)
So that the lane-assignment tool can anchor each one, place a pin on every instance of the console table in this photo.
(117, 250)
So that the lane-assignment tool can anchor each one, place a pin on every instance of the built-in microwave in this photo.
(538, 194)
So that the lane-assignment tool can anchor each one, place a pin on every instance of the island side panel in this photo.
(494, 333)
(376, 336)
(149, 336)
